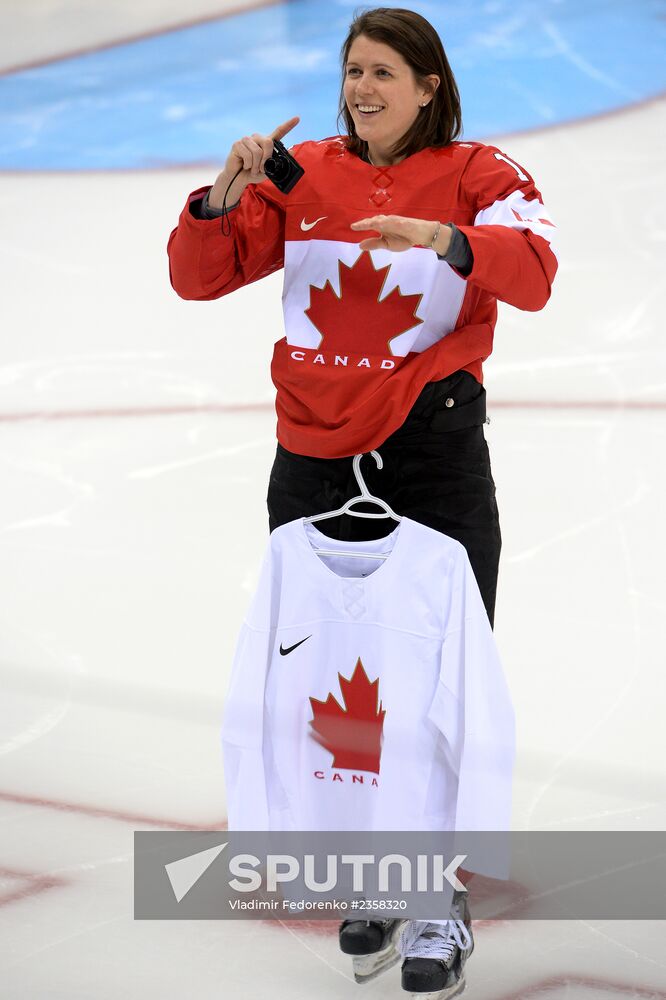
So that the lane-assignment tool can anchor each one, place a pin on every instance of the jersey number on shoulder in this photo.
(500, 156)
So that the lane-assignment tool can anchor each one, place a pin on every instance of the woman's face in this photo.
(377, 76)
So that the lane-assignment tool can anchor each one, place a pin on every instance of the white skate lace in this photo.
(439, 940)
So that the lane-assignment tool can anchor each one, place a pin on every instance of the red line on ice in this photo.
(32, 884)
(135, 411)
(100, 812)
(141, 36)
(233, 408)
(543, 987)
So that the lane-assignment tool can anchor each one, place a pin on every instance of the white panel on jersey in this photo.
(518, 213)
(311, 263)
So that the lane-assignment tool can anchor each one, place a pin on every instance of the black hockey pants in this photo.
(436, 471)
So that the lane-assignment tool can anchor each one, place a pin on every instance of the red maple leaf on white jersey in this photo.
(353, 734)
(356, 320)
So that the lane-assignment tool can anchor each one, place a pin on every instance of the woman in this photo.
(384, 348)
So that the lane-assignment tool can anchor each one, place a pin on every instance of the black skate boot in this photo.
(373, 945)
(436, 953)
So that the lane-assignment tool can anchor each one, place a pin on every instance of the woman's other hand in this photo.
(397, 232)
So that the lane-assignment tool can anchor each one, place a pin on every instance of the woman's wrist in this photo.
(225, 185)
(208, 212)
(441, 238)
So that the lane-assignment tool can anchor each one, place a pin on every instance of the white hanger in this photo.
(365, 497)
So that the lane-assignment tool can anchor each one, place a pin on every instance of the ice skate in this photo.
(372, 944)
(435, 955)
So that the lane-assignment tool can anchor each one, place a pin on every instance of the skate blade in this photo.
(446, 994)
(367, 967)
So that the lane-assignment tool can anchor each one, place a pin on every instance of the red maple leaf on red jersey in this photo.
(353, 734)
(356, 320)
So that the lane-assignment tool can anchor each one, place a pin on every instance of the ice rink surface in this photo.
(137, 432)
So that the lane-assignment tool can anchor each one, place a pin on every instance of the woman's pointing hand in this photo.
(248, 155)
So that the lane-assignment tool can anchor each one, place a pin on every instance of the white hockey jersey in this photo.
(367, 694)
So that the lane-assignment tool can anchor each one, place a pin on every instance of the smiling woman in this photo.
(412, 92)
(389, 318)
(397, 243)
(383, 99)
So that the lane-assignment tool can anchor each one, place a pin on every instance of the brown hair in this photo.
(440, 122)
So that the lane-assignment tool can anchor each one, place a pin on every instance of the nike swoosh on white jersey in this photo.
(308, 225)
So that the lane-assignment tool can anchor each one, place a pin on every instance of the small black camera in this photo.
(282, 169)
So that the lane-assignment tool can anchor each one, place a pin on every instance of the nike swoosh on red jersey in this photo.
(308, 225)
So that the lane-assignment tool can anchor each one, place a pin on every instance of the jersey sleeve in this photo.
(473, 711)
(243, 734)
(513, 238)
(243, 724)
(204, 263)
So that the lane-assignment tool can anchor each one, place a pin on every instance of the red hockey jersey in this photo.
(366, 330)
